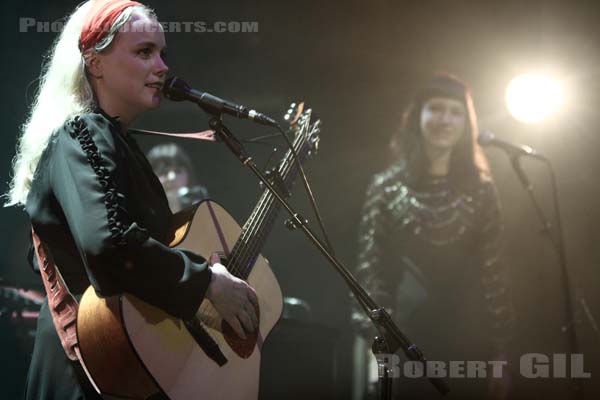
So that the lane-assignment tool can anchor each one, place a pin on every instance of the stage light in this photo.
(530, 98)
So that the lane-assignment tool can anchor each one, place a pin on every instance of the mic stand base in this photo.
(382, 352)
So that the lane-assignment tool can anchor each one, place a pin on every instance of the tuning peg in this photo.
(290, 112)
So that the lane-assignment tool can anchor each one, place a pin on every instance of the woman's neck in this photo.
(439, 160)
(124, 120)
(115, 109)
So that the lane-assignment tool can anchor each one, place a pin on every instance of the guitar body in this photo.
(134, 350)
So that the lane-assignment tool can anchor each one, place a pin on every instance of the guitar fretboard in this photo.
(259, 224)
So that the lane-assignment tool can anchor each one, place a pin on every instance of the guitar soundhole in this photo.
(242, 347)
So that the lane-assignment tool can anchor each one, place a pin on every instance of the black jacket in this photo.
(103, 213)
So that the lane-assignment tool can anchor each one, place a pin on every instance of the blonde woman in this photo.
(90, 193)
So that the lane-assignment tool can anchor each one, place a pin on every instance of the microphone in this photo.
(176, 89)
(487, 138)
(514, 151)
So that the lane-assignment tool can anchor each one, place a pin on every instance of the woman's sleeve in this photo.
(90, 183)
(495, 279)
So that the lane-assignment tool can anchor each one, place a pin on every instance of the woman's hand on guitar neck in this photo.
(234, 299)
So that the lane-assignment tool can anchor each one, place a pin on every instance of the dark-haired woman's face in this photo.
(443, 122)
(173, 177)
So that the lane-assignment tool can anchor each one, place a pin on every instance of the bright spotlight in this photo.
(531, 98)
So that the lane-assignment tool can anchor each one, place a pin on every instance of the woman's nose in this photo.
(161, 67)
(446, 116)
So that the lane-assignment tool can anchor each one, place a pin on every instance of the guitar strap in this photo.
(63, 306)
(61, 302)
(208, 135)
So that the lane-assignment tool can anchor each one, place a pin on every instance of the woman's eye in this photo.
(144, 52)
(458, 112)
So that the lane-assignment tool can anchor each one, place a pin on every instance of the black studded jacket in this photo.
(103, 213)
(429, 253)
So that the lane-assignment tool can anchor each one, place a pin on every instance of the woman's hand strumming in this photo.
(234, 299)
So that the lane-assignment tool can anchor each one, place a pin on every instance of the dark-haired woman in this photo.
(430, 239)
(174, 170)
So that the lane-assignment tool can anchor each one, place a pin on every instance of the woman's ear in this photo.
(93, 63)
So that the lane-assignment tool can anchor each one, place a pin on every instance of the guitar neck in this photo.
(262, 219)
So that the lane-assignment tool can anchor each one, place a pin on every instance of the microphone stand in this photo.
(559, 247)
(391, 339)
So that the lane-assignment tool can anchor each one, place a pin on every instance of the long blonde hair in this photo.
(64, 92)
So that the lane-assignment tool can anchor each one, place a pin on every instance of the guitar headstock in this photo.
(302, 122)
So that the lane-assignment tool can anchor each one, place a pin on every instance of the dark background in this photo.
(357, 64)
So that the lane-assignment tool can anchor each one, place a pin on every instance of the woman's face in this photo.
(443, 122)
(173, 177)
(132, 70)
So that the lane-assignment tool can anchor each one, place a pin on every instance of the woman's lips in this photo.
(442, 133)
(157, 86)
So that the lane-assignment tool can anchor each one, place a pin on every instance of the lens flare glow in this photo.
(530, 98)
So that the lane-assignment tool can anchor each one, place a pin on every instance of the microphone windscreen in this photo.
(175, 89)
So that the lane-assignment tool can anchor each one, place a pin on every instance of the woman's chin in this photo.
(154, 102)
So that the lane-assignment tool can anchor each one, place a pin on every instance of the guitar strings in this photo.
(247, 251)
(287, 168)
(241, 251)
(268, 212)
(232, 262)
(241, 254)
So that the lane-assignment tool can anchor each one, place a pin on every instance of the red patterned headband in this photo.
(100, 19)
